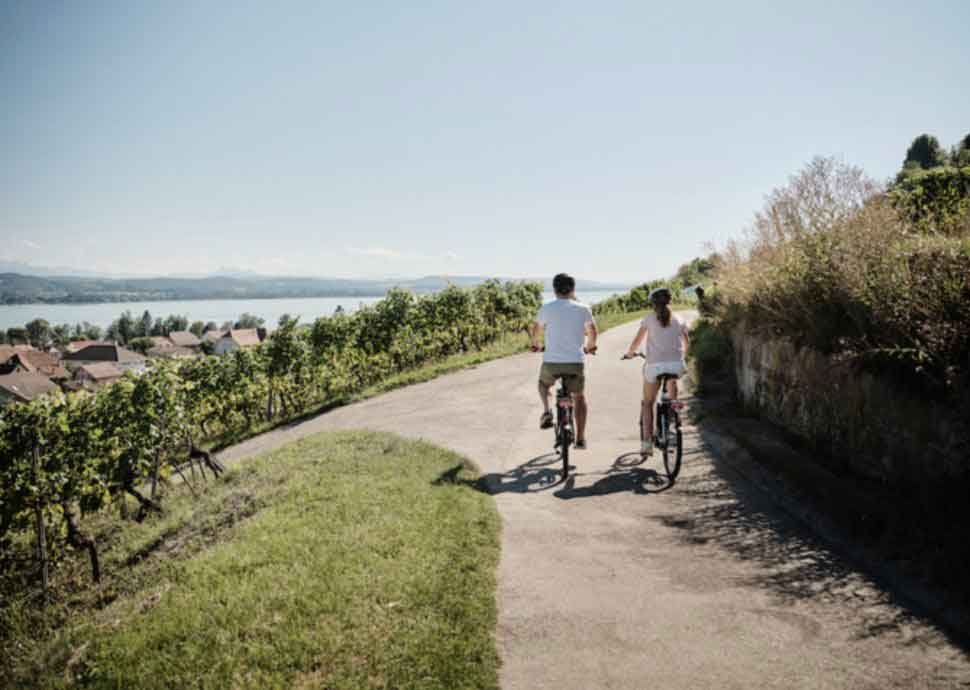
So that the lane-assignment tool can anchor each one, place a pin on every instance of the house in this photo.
(6, 352)
(81, 344)
(171, 352)
(212, 336)
(184, 339)
(124, 359)
(98, 374)
(35, 362)
(24, 386)
(160, 341)
(237, 338)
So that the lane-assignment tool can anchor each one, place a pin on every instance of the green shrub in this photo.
(711, 349)
(935, 200)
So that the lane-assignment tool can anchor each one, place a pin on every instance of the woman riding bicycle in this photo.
(666, 342)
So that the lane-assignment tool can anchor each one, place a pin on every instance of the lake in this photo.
(217, 310)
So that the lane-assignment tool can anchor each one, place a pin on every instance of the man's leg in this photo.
(579, 400)
(546, 381)
(544, 394)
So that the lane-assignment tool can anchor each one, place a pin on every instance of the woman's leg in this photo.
(672, 389)
(646, 414)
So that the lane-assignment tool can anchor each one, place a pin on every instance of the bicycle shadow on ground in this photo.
(626, 474)
(538, 474)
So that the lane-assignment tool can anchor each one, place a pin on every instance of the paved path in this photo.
(613, 581)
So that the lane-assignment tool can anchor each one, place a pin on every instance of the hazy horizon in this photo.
(310, 139)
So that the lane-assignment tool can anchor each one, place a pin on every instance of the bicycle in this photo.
(565, 430)
(667, 432)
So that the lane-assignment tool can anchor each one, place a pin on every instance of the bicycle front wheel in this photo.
(674, 447)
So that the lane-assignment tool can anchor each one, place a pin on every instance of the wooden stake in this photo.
(41, 527)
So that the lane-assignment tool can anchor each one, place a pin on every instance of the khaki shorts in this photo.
(572, 375)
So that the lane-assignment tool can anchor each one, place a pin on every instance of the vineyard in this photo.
(65, 457)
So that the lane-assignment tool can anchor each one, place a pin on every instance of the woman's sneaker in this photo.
(646, 448)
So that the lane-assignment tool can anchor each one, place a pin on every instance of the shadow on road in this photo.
(722, 509)
(626, 474)
(538, 474)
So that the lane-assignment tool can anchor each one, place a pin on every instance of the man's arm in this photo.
(535, 333)
(591, 334)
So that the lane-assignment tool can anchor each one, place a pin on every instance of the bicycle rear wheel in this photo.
(674, 447)
(565, 440)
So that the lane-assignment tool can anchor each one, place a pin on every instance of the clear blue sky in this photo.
(612, 140)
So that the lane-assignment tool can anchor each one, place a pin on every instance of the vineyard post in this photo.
(41, 527)
(155, 474)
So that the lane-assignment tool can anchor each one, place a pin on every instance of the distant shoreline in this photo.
(206, 298)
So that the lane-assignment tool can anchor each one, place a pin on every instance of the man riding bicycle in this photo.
(570, 333)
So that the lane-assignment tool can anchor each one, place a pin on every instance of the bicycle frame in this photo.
(666, 425)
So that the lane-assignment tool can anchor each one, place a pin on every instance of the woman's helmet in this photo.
(660, 295)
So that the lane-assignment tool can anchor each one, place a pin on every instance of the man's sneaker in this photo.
(545, 421)
(646, 448)
(581, 445)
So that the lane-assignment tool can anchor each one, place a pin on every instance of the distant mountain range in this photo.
(21, 288)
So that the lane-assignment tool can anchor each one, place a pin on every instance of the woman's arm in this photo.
(637, 340)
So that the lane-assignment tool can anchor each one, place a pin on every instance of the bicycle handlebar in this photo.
(588, 351)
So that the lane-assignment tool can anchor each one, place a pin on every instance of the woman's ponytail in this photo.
(660, 297)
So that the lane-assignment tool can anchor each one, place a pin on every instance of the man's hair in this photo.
(563, 284)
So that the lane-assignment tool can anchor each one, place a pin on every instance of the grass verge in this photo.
(338, 561)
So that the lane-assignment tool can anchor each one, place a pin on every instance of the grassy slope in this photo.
(335, 562)
(145, 561)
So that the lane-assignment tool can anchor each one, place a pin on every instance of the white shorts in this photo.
(652, 371)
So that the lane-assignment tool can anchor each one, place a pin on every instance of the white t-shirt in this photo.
(565, 323)
(663, 345)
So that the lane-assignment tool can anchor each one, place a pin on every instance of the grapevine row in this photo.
(63, 457)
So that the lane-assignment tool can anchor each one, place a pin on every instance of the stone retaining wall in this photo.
(854, 421)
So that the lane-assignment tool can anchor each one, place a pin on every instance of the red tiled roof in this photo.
(101, 371)
(244, 337)
(184, 339)
(81, 344)
(104, 352)
(171, 352)
(37, 362)
(25, 386)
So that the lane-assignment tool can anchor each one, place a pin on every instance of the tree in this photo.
(248, 320)
(61, 335)
(197, 329)
(142, 344)
(961, 153)
(88, 331)
(123, 328)
(924, 153)
(38, 332)
(174, 322)
(144, 327)
(17, 336)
